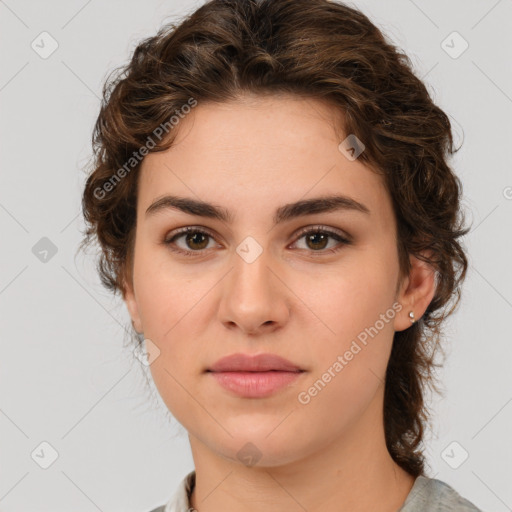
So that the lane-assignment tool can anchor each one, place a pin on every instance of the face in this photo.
(324, 300)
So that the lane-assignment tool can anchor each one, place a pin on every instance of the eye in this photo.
(316, 239)
(194, 237)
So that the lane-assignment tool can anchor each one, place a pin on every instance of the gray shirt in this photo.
(426, 495)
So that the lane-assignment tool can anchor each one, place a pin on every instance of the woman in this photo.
(273, 201)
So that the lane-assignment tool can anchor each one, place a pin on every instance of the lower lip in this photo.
(255, 384)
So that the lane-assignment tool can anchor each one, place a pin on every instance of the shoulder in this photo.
(450, 499)
(180, 501)
(430, 494)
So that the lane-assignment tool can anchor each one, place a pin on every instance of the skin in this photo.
(252, 156)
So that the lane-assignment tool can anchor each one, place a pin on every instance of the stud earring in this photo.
(411, 316)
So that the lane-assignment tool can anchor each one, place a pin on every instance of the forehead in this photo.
(257, 153)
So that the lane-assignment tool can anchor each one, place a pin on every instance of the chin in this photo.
(254, 447)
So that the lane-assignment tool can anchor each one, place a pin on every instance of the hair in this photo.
(316, 49)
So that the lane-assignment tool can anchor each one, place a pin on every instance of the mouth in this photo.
(257, 376)
(254, 363)
(255, 384)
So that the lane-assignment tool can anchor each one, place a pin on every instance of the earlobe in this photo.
(416, 294)
(131, 304)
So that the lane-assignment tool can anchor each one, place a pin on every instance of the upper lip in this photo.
(253, 363)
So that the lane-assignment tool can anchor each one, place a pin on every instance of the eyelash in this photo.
(306, 231)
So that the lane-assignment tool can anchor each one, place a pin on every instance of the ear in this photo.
(416, 293)
(131, 304)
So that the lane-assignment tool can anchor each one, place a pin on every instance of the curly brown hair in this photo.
(316, 49)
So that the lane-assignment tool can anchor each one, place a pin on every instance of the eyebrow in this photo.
(323, 204)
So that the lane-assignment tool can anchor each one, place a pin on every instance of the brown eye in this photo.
(317, 240)
(195, 240)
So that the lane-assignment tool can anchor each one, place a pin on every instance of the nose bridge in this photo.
(252, 295)
(250, 277)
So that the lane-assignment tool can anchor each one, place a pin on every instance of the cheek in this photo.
(166, 294)
(168, 305)
(357, 310)
(350, 362)
(352, 298)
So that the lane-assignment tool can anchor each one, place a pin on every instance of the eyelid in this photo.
(327, 229)
(187, 229)
(175, 233)
(344, 238)
(301, 231)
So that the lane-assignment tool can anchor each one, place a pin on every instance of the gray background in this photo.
(65, 376)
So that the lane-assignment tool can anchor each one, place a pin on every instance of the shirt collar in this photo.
(180, 501)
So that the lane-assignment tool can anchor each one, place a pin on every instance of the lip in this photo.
(255, 384)
(256, 363)
(256, 376)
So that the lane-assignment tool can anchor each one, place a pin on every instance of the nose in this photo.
(254, 297)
